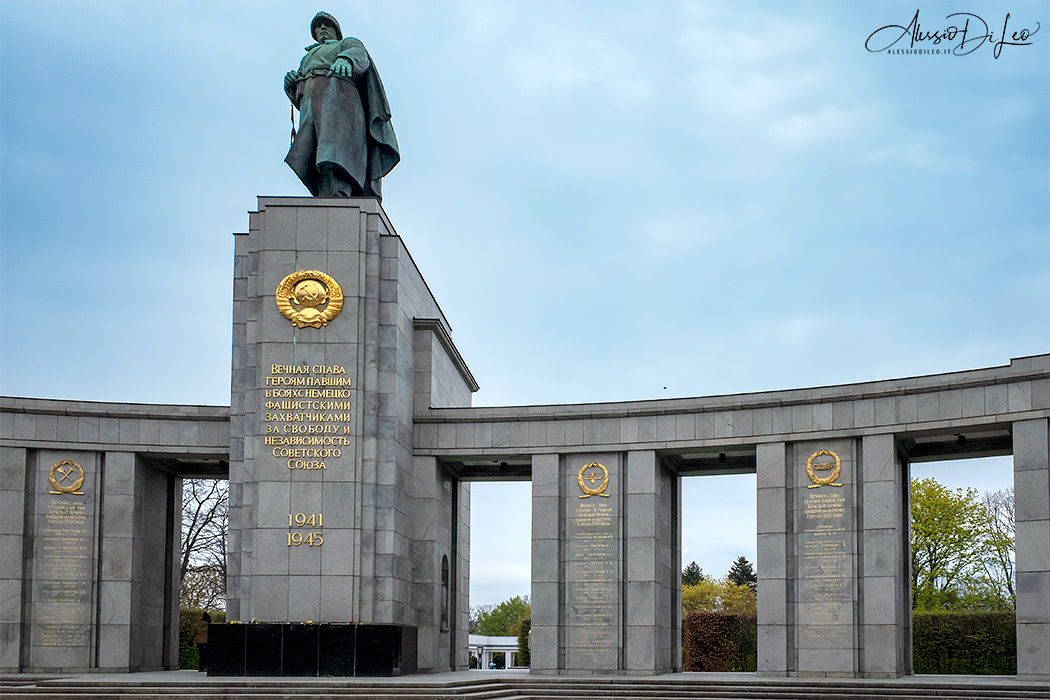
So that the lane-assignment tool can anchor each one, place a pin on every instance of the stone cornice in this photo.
(1023, 369)
(439, 329)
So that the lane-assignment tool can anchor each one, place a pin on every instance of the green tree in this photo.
(743, 574)
(476, 611)
(721, 596)
(948, 535)
(692, 575)
(499, 621)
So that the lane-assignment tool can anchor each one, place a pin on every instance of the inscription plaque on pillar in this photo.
(63, 567)
(825, 550)
(593, 568)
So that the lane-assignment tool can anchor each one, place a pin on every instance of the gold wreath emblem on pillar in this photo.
(835, 467)
(66, 477)
(301, 295)
(593, 473)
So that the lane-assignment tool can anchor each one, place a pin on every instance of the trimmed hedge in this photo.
(715, 641)
(962, 642)
(188, 658)
(965, 642)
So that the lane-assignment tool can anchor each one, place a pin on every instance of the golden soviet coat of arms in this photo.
(835, 468)
(594, 473)
(66, 477)
(309, 298)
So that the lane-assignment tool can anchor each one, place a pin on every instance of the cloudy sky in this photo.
(610, 200)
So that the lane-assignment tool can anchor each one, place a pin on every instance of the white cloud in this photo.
(924, 151)
(794, 330)
(823, 125)
(562, 61)
(674, 232)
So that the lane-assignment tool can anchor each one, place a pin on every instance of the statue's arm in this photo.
(291, 80)
(352, 60)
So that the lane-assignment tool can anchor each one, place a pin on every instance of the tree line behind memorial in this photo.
(719, 623)
(962, 566)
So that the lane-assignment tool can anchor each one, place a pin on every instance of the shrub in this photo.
(965, 642)
(716, 641)
(188, 658)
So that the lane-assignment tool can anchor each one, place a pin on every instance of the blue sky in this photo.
(611, 201)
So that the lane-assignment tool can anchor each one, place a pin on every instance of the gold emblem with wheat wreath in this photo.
(66, 477)
(835, 467)
(593, 473)
(309, 290)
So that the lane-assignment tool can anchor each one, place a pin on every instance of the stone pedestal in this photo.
(331, 519)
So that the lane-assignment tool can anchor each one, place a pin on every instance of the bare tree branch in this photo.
(999, 559)
(202, 569)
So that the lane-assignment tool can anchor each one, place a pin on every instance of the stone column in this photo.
(605, 564)
(13, 496)
(440, 504)
(885, 601)
(547, 592)
(1032, 521)
(653, 560)
(774, 615)
(461, 574)
(119, 635)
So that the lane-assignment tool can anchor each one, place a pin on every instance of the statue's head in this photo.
(325, 18)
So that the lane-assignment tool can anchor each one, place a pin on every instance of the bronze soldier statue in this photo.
(345, 143)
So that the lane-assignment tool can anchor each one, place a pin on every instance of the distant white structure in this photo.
(495, 652)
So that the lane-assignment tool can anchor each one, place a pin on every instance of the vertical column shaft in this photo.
(773, 529)
(1032, 523)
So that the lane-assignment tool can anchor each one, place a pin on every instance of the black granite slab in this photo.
(311, 650)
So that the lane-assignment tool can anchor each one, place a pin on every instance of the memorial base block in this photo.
(311, 650)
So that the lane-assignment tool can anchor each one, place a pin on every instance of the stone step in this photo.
(262, 693)
(771, 694)
(218, 694)
(783, 690)
(524, 688)
(226, 690)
